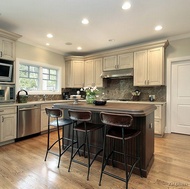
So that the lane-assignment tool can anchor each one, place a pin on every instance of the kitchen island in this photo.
(143, 120)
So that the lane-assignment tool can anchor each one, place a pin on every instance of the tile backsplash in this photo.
(122, 88)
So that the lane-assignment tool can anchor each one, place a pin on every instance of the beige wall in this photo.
(32, 53)
(178, 48)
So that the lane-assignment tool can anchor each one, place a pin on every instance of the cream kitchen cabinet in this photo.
(7, 49)
(122, 61)
(109, 63)
(93, 70)
(44, 117)
(160, 119)
(7, 124)
(7, 44)
(74, 74)
(149, 67)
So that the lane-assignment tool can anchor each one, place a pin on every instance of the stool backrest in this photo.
(53, 112)
(115, 119)
(78, 115)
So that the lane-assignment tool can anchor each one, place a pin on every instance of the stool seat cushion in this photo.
(89, 127)
(116, 132)
(61, 122)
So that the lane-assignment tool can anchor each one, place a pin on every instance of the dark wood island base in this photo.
(143, 115)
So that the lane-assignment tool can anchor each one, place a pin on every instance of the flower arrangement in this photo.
(91, 93)
(90, 90)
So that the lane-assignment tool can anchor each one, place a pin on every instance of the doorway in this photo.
(178, 95)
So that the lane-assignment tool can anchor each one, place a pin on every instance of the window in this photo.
(38, 78)
(29, 77)
(49, 79)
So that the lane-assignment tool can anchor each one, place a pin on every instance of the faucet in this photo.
(44, 97)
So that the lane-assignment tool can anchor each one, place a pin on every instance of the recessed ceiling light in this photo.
(68, 43)
(49, 35)
(47, 44)
(126, 6)
(111, 40)
(85, 21)
(158, 28)
(79, 48)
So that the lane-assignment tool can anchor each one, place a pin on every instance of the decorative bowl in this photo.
(100, 102)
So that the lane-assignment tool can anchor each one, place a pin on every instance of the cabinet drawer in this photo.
(43, 106)
(7, 110)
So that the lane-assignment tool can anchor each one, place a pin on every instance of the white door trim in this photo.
(170, 61)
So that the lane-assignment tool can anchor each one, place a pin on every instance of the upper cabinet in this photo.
(122, 61)
(7, 45)
(93, 70)
(74, 73)
(7, 49)
(149, 67)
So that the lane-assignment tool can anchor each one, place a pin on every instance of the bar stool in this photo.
(83, 125)
(117, 128)
(58, 122)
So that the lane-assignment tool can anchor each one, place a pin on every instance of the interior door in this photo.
(180, 97)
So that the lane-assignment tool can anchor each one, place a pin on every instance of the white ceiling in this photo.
(33, 19)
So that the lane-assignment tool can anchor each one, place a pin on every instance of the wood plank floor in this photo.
(22, 166)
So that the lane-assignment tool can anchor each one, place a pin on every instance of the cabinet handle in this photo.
(150, 126)
(3, 119)
(145, 82)
(1, 53)
(1, 110)
(148, 82)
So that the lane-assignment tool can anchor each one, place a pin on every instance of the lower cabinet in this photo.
(160, 119)
(7, 124)
(44, 117)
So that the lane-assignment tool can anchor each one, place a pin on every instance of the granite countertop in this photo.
(65, 101)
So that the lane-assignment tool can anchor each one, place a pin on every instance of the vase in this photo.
(90, 99)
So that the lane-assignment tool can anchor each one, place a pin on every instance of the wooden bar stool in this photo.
(58, 122)
(83, 125)
(117, 128)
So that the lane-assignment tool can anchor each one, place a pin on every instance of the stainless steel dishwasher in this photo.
(29, 120)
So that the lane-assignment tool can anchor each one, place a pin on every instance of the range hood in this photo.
(118, 73)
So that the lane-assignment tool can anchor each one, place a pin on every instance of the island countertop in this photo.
(136, 110)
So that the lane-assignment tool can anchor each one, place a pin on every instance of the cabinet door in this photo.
(140, 68)
(155, 66)
(157, 127)
(74, 74)
(125, 61)
(68, 74)
(8, 127)
(89, 73)
(110, 63)
(7, 49)
(78, 73)
(98, 71)
(44, 117)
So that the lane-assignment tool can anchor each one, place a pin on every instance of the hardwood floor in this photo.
(22, 166)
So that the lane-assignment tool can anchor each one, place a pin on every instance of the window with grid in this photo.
(49, 79)
(29, 77)
(38, 78)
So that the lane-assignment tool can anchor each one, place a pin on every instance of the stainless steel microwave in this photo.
(7, 93)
